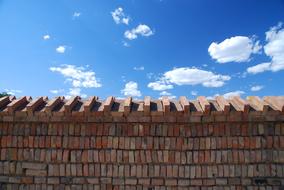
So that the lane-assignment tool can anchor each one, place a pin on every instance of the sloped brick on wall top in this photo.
(270, 108)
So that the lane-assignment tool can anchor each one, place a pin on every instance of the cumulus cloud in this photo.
(46, 37)
(119, 16)
(160, 85)
(194, 76)
(61, 49)
(234, 49)
(188, 76)
(141, 29)
(78, 76)
(256, 88)
(274, 48)
(131, 89)
(259, 68)
(141, 68)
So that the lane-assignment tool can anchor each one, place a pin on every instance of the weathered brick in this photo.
(53, 180)
(157, 182)
(34, 172)
(171, 182)
(35, 166)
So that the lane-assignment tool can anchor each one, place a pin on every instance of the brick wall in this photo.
(151, 144)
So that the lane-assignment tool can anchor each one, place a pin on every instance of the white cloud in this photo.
(78, 76)
(56, 91)
(141, 68)
(141, 29)
(194, 76)
(160, 85)
(168, 94)
(274, 48)
(76, 14)
(119, 16)
(228, 94)
(61, 49)
(13, 91)
(234, 49)
(75, 92)
(234, 93)
(165, 93)
(188, 76)
(193, 93)
(131, 89)
(150, 75)
(256, 88)
(125, 44)
(46, 37)
(259, 68)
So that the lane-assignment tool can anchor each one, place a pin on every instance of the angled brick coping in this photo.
(270, 108)
(89, 144)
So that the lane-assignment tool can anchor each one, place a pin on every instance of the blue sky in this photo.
(142, 48)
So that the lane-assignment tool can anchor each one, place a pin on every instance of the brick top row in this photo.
(126, 108)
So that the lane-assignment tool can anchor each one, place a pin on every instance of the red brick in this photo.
(85, 170)
(31, 172)
(85, 156)
(104, 142)
(157, 182)
(144, 181)
(65, 156)
(246, 142)
(171, 182)
(27, 180)
(98, 142)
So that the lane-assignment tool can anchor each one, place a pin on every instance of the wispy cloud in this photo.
(76, 15)
(56, 91)
(141, 29)
(234, 49)
(228, 95)
(141, 68)
(233, 93)
(194, 93)
(131, 89)
(119, 16)
(13, 91)
(274, 48)
(125, 44)
(256, 88)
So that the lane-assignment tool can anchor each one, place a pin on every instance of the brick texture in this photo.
(123, 144)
